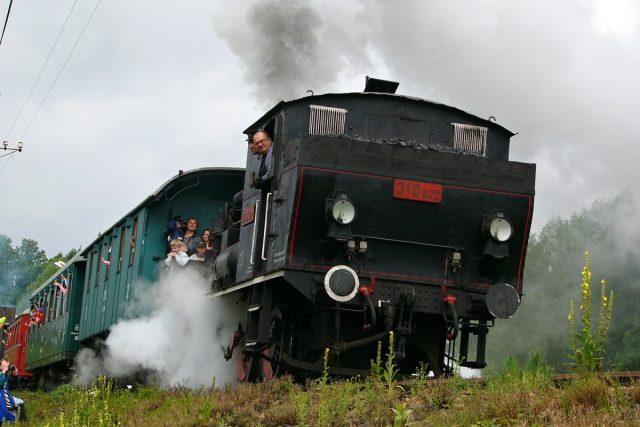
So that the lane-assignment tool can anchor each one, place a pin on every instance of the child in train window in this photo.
(37, 315)
(177, 254)
(175, 228)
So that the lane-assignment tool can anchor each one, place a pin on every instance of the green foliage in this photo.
(91, 406)
(302, 404)
(421, 376)
(19, 266)
(376, 365)
(512, 398)
(389, 372)
(325, 369)
(628, 358)
(23, 269)
(587, 348)
(401, 415)
(533, 375)
(587, 392)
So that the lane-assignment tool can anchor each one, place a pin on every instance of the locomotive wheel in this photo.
(252, 367)
(281, 336)
(249, 367)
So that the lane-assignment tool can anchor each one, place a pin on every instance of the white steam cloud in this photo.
(177, 344)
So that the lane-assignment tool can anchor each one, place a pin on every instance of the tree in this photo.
(19, 266)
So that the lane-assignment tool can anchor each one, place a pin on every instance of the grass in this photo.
(517, 396)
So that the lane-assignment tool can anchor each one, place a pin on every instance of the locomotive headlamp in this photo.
(341, 283)
(342, 210)
(498, 227)
(497, 230)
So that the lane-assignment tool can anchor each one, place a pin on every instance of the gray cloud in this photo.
(153, 88)
(542, 69)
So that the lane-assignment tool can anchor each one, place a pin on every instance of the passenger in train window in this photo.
(63, 284)
(177, 254)
(201, 261)
(175, 228)
(191, 235)
(252, 146)
(201, 248)
(264, 147)
(37, 315)
(207, 241)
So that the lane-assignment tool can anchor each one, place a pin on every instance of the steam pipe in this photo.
(372, 310)
(450, 301)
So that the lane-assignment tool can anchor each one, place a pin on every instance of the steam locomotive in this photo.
(384, 213)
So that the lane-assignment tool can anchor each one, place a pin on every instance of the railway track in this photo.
(624, 377)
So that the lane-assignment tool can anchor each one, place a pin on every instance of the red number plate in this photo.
(248, 214)
(417, 190)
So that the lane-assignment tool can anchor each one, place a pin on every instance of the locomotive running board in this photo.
(248, 283)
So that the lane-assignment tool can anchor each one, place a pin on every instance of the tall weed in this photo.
(588, 348)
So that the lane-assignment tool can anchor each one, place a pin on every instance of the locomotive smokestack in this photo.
(381, 86)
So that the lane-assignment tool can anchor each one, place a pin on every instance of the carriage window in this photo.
(51, 306)
(68, 295)
(134, 233)
(121, 251)
(98, 257)
(39, 305)
(58, 296)
(107, 261)
(470, 138)
(90, 264)
(326, 120)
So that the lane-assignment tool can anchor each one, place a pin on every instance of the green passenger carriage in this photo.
(54, 343)
(104, 277)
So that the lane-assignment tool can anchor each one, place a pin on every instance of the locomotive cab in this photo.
(385, 213)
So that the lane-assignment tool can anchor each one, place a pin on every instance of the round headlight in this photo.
(343, 211)
(500, 229)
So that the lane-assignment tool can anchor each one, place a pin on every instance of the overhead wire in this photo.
(61, 69)
(41, 70)
(6, 20)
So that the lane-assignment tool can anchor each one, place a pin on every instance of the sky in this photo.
(136, 90)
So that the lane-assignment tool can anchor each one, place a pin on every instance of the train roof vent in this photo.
(326, 120)
(381, 86)
(470, 138)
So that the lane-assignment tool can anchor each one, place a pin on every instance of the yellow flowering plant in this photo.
(588, 349)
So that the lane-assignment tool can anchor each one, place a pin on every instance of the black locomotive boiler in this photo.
(385, 213)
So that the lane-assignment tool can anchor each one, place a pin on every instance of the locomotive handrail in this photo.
(264, 232)
(255, 230)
